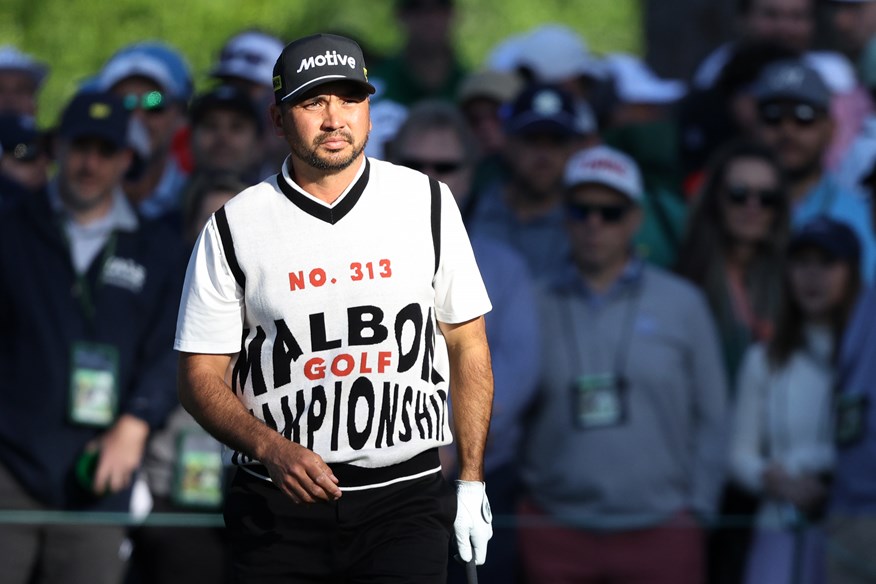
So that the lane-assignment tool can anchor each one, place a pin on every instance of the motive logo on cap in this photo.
(331, 59)
(315, 60)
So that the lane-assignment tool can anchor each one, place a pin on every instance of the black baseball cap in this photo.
(792, 81)
(315, 60)
(833, 237)
(228, 97)
(19, 137)
(96, 115)
(542, 109)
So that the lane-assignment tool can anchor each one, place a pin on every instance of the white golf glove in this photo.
(473, 521)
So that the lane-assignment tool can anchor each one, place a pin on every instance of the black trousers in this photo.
(394, 534)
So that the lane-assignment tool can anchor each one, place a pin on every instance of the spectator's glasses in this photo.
(607, 213)
(152, 102)
(739, 195)
(803, 114)
(438, 166)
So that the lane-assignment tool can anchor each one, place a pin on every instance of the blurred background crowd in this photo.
(683, 331)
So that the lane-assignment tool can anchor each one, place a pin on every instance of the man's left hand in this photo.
(473, 525)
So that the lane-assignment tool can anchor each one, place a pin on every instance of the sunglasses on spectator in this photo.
(438, 166)
(803, 114)
(154, 101)
(607, 213)
(739, 195)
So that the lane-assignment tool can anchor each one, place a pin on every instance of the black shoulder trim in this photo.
(329, 215)
(228, 247)
(435, 189)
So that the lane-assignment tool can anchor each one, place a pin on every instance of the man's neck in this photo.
(600, 278)
(326, 187)
(802, 185)
(83, 217)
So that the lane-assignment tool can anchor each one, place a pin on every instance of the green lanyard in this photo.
(82, 288)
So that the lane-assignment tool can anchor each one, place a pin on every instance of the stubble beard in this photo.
(309, 153)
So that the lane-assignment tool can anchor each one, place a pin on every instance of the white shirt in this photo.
(335, 324)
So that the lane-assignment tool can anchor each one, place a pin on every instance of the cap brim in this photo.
(554, 127)
(306, 88)
(77, 132)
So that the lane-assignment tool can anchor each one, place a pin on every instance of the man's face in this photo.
(89, 170)
(17, 93)
(601, 223)
(161, 120)
(798, 133)
(225, 140)
(538, 162)
(787, 22)
(439, 153)
(855, 25)
(328, 129)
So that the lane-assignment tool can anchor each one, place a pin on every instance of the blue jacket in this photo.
(40, 318)
(854, 484)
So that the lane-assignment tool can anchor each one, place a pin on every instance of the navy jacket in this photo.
(40, 318)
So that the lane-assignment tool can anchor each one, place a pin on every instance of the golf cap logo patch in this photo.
(99, 111)
(330, 58)
(547, 103)
(790, 77)
(278, 82)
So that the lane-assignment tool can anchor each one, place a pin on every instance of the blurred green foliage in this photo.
(77, 36)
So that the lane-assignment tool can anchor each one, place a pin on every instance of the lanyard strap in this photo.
(623, 348)
(82, 288)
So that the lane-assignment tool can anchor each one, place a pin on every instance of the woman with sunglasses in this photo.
(734, 251)
(782, 445)
(734, 245)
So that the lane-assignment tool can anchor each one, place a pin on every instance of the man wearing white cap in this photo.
(624, 453)
(154, 82)
(21, 77)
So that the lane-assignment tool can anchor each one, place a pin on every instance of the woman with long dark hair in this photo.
(734, 246)
(782, 445)
(734, 251)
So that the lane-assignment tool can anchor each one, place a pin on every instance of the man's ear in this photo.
(276, 113)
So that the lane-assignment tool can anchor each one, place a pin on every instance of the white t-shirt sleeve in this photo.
(460, 294)
(211, 310)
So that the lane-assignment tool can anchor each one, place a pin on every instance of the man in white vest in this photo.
(329, 314)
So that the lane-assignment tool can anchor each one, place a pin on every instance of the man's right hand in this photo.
(300, 473)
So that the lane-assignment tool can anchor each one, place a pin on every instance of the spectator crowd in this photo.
(683, 331)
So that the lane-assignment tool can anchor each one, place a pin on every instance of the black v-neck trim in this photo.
(330, 215)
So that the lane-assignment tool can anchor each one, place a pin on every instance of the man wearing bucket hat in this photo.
(335, 420)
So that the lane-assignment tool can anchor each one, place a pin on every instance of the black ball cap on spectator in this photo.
(96, 115)
(315, 60)
(829, 235)
(226, 97)
(542, 109)
(792, 81)
(19, 137)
